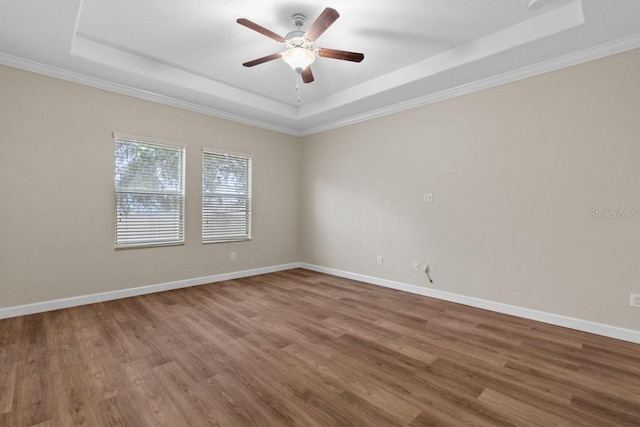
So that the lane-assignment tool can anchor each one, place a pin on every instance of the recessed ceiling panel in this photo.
(189, 53)
(202, 37)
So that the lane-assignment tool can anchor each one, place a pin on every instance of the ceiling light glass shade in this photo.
(298, 58)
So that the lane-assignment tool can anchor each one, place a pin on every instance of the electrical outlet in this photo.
(380, 260)
(635, 300)
(232, 257)
(416, 266)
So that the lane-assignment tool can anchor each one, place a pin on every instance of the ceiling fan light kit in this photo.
(298, 58)
(299, 53)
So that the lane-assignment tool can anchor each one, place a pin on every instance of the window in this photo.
(149, 179)
(226, 196)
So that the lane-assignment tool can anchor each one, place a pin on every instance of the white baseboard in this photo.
(541, 316)
(57, 304)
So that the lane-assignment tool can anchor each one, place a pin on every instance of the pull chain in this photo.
(298, 78)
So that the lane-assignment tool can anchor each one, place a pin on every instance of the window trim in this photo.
(158, 142)
(225, 152)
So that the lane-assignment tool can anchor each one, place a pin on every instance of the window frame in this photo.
(209, 151)
(161, 143)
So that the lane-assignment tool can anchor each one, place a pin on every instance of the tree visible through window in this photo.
(149, 181)
(226, 196)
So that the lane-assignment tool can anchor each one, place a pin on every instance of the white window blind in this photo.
(226, 196)
(149, 180)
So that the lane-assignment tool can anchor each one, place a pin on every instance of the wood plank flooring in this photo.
(308, 349)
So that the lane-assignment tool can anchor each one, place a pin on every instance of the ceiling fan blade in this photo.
(255, 27)
(324, 21)
(307, 75)
(341, 54)
(262, 60)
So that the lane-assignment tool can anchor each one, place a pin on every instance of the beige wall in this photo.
(515, 171)
(57, 196)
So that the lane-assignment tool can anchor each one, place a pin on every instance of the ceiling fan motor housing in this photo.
(297, 39)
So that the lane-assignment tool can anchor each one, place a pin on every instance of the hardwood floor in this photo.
(303, 348)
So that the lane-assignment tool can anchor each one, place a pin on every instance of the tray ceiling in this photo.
(190, 53)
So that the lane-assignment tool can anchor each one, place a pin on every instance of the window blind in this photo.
(149, 182)
(226, 197)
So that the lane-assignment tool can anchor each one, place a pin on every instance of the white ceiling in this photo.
(189, 53)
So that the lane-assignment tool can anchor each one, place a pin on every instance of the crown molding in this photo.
(512, 37)
(576, 58)
(74, 77)
(586, 55)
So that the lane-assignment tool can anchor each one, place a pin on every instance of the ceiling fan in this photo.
(299, 53)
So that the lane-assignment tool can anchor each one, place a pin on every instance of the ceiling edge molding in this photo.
(74, 77)
(519, 34)
(167, 74)
(576, 58)
(586, 55)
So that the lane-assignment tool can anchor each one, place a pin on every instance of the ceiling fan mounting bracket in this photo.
(298, 20)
